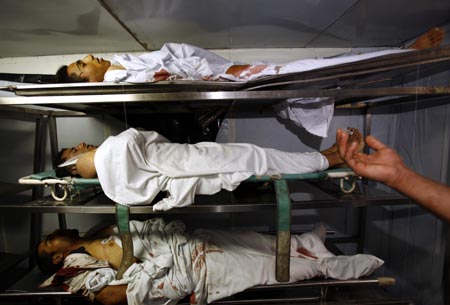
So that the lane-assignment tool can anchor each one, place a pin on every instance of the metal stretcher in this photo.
(72, 186)
(361, 84)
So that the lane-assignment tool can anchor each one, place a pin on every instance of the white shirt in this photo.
(135, 166)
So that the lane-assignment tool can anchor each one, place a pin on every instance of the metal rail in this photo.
(222, 95)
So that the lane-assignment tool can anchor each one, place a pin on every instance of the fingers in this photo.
(374, 143)
(350, 152)
(362, 157)
(346, 150)
(341, 142)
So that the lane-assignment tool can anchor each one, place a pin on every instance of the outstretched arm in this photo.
(386, 166)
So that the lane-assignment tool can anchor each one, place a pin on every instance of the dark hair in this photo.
(44, 261)
(61, 171)
(63, 77)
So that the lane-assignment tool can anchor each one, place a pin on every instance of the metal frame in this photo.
(221, 95)
(50, 96)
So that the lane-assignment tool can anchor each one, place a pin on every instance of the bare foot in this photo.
(355, 136)
(430, 39)
(332, 155)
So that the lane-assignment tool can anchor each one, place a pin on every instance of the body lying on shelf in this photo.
(315, 290)
(336, 85)
(73, 185)
(207, 264)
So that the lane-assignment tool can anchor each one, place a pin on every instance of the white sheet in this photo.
(211, 265)
(314, 114)
(135, 166)
(184, 61)
(208, 265)
(76, 269)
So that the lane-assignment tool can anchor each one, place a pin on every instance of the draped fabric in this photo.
(135, 166)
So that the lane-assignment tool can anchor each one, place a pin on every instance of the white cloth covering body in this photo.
(207, 265)
(211, 265)
(76, 269)
(184, 61)
(134, 166)
(181, 61)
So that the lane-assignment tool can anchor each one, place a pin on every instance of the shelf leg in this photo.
(123, 224)
(283, 231)
(38, 192)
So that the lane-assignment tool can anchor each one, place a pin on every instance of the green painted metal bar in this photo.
(283, 231)
(309, 176)
(317, 176)
(123, 224)
(86, 181)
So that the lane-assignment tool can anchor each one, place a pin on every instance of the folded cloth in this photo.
(312, 113)
(99, 278)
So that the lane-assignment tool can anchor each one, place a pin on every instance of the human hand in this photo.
(384, 165)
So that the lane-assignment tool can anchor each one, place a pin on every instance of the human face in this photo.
(69, 153)
(90, 68)
(60, 241)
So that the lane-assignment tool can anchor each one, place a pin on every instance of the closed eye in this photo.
(80, 65)
(48, 240)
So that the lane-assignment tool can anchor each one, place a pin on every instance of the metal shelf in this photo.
(7, 188)
(28, 286)
(364, 80)
(303, 195)
(377, 77)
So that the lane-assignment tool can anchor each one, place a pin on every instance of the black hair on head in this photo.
(58, 157)
(63, 77)
(44, 262)
(61, 171)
